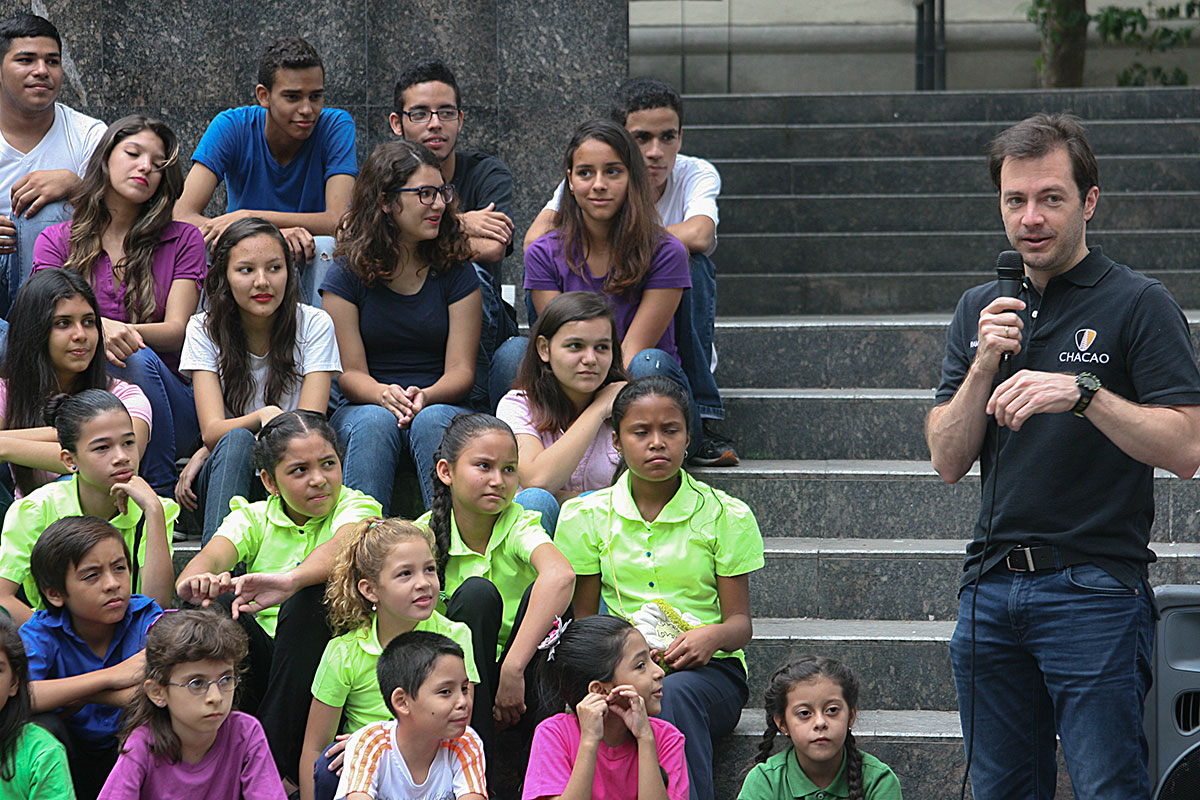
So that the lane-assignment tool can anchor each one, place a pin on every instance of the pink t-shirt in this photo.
(556, 743)
(238, 765)
(130, 394)
(595, 470)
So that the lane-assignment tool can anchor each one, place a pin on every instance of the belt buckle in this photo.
(1016, 567)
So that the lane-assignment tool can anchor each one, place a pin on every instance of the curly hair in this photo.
(368, 238)
(361, 557)
(92, 218)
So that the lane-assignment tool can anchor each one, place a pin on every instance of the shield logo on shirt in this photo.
(1084, 338)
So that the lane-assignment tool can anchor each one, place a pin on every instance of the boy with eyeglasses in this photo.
(288, 159)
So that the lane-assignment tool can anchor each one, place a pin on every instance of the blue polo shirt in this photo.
(56, 651)
(235, 148)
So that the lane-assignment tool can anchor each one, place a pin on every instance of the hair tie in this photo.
(550, 643)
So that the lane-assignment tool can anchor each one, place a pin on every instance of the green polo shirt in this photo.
(28, 517)
(40, 768)
(781, 778)
(268, 541)
(505, 562)
(700, 534)
(346, 675)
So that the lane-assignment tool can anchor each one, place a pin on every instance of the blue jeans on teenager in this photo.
(1062, 651)
(694, 321)
(313, 272)
(15, 267)
(375, 445)
(228, 473)
(497, 327)
(505, 363)
(174, 426)
(704, 704)
(543, 502)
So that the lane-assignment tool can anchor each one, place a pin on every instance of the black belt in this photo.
(1038, 558)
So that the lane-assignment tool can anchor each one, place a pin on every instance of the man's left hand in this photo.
(37, 189)
(1028, 393)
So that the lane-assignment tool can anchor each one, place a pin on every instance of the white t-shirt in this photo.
(316, 351)
(692, 189)
(67, 145)
(374, 765)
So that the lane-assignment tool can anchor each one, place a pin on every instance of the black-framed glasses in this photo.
(445, 114)
(426, 194)
(199, 686)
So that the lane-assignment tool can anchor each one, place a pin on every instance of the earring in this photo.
(374, 607)
(73, 468)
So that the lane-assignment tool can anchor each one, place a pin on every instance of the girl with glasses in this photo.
(406, 307)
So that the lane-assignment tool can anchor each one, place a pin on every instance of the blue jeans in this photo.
(1064, 652)
(505, 363)
(228, 473)
(375, 445)
(694, 321)
(15, 267)
(705, 704)
(497, 328)
(312, 273)
(174, 409)
(540, 500)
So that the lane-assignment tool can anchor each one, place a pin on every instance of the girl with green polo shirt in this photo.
(384, 583)
(100, 451)
(287, 543)
(660, 545)
(500, 572)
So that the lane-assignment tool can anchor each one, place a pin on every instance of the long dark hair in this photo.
(28, 369)
(459, 433)
(368, 237)
(552, 410)
(588, 650)
(17, 709)
(224, 323)
(179, 637)
(635, 233)
(92, 217)
(801, 670)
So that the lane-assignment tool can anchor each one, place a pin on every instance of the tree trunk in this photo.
(1065, 45)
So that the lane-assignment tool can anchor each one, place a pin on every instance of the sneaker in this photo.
(715, 451)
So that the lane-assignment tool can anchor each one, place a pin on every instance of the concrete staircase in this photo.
(851, 225)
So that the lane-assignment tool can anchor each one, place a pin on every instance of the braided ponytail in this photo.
(854, 764)
(767, 743)
(441, 512)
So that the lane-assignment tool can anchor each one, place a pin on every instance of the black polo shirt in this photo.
(480, 179)
(1060, 480)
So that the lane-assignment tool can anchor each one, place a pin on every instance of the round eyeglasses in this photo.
(199, 686)
(446, 114)
(426, 194)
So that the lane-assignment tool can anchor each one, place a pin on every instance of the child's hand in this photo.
(258, 590)
(336, 753)
(692, 648)
(509, 704)
(203, 588)
(137, 490)
(590, 712)
(633, 712)
(266, 414)
(129, 672)
(185, 495)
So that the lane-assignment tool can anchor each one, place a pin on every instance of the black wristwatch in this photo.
(1088, 385)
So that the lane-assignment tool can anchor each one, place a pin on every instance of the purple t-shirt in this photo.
(556, 744)
(546, 268)
(180, 256)
(238, 765)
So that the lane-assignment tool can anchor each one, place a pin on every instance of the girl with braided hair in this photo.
(813, 701)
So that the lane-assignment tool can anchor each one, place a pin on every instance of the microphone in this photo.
(1010, 274)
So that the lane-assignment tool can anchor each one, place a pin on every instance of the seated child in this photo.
(384, 583)
(33, 764)
(813, 701)
(86, 647)
(427, 750)
(613, 745)
(182, 739)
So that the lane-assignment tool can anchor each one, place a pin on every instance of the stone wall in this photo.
(529, 70)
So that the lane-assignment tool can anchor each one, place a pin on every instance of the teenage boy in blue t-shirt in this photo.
(288, 159)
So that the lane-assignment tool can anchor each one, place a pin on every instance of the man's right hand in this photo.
(8, 235)
(1000, 330)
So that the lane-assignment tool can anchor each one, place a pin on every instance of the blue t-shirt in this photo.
(56, 651)
(235, 148)
(404, 335)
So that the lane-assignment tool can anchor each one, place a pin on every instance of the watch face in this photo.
(1088, 381)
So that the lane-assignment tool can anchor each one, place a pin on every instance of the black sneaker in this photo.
(715, 451)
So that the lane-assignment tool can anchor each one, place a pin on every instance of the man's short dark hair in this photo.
(1039, 136)
(639, 94)
(423, 70)
(290, 52)
(407, 661)
(62, 546)
(23, 25)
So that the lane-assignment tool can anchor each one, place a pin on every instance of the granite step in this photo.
(781, 140)
(864, 174)
(875, 499)
(923, 748)
(881, 293)
(817, 423)
(1006, 105)
(942, 251)
(900, 579)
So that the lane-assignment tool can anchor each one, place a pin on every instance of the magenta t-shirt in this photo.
(546, 268)
(594, 471)
(238, 765)
(556, 743)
